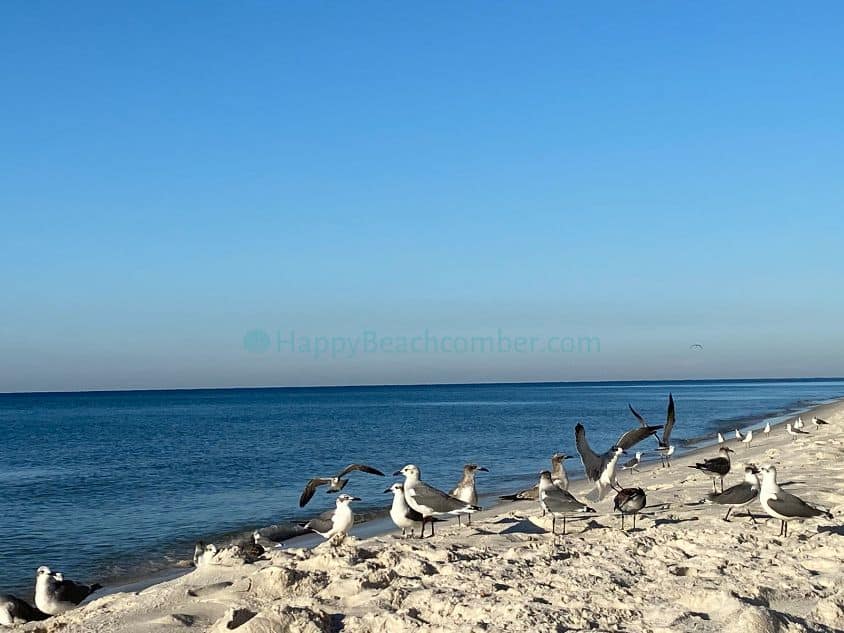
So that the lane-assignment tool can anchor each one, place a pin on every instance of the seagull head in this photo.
(211, 549)
(769, 474)
(43, 571)
(408, 471)
(726, 449)
(473, 468)
(618, 450)
(345, 499)
(256, 535)
(396, 489)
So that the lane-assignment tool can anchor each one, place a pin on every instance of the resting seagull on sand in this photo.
(664, 444)
(558, 476)
(601, 469)
(740, 495)
(794, 432)
(783, 505)
(16, 611)
(557, 501)
(333, 522)
(465, 489)
(429, 501)
(819, 423)
(716, 466)
(335, 483)
(55, 595)
(629, 501)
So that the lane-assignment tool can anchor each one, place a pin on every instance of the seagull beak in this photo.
(569, 457)
(355, 499)
(397, 473)
(388, 490)
(486, 470)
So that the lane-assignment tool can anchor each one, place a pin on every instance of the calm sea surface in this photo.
(109, 486)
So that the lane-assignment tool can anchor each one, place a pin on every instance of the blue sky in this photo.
(176, 175)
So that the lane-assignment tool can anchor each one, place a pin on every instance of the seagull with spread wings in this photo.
(664, 449)
(601, 469)
(335, 483)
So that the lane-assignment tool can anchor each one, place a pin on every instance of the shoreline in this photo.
(382, 526)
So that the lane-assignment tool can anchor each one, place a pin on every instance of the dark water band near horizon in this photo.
(112, 486)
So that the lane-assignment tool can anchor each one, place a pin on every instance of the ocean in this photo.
(114, 486)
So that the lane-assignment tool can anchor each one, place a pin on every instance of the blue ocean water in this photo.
(112, 485)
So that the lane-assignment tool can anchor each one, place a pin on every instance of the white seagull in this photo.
(55, 595)
(720, 438)
(767, 429)
(429, 501)
(739, 435)
(783, 505)
(748, 439)
(333, 522)
(793, 432)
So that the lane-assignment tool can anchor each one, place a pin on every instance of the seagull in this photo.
(55, 595)
(429, 501)
(740, 495)
(767, 429)
(601, 468)
(629, 501)
(716, 466)
(335, 483)
(720, 438)
(667, 455)
(263, 541)
(402, 514)
(465, 489)
(819, 423)
(793, 432)
(253, 549)
(333, 522)
(16, 611)
(556, 501)
(739, 436)
(783, 505)
(664, 444)
(198, 550)
(632, 464)
(206, 556)
(748, 439)
(558, 476)
(798, 424)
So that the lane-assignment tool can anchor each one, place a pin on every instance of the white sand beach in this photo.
(683, 569)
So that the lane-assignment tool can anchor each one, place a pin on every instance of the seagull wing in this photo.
(670, 418)
(323, 523)
(528, 494)
(362, 468)
(734, 495)
(634, 436)
(435, 499)
(593, 463)
(69, 591)
(789, 505)
(642, 421)
(310, 489)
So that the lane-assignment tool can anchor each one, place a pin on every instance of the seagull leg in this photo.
(554, 524)
(564, 524)
(458, 521)
(468, 519)
(752, 518)
(432, 526)
(727, 516)
(634, 522)
(622, 520)
(714, 486)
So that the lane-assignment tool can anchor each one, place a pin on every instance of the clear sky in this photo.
(183, 183)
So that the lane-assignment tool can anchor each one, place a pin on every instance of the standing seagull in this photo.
(798, 424)
(601, 469)
(716, 466)
(767, 429)
(335, 483)
(16, 611)
(720, 438)
(55, 595)
(748, 439)
(629, 501)
(793, 432)
(558, 476)
(556, 501)
(783, 505)
(429, 501)
(333, 522)
(465, 489)
(664, 443)
(632, 464)
(740, 495)
(739, 436)
(819, 423)
(402, 514)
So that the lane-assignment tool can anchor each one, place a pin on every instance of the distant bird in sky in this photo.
(697, 347)
(783, 505)
(335, 483)
(601, 469)
(716, 466)
(664, 443)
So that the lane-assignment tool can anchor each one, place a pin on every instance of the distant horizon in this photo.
(438, 384)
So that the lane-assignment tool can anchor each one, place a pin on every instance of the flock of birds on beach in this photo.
(417, 504)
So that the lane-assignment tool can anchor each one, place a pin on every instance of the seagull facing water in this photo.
(783, 505)
(55, 595)
(601, 469)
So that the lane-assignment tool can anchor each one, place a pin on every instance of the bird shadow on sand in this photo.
(523, 527)
(670, 521)
(831, 529)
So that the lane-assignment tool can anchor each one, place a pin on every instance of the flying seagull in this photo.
(429, 501)
(783, 505)
(629, 501)
(557, 501)
(465, 489)
(335, 483)
(55, 595)
(740, 495)
(333, 522)
(664, 442)
(696, 346)
(601, 469)
(716, 466)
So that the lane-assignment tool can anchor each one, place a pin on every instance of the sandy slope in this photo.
(685, 569)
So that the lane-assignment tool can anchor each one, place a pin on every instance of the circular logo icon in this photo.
(256, 341)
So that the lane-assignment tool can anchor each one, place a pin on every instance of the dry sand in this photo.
(683, 569)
